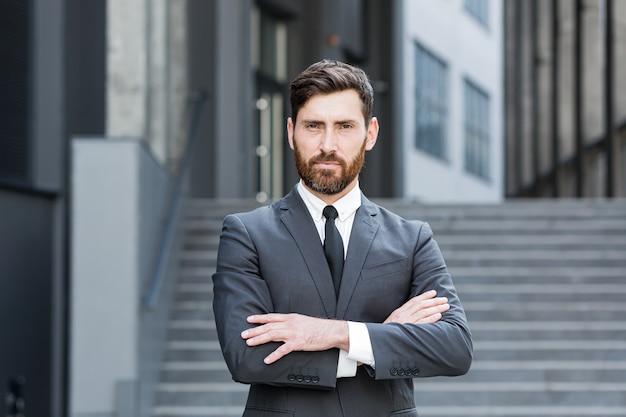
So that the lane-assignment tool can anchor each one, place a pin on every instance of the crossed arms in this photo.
(271, 322)
(299, 332)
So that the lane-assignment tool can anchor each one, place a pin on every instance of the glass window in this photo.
(269, 60)
(269, 44)
(431, 97)
(476, 130)
(479, 9)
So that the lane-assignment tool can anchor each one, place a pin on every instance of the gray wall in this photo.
(119, 192)
(26, 298)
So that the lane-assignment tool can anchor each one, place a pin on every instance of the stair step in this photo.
(549, 365)
(521, 411)
(516, 394)
(521, 271)
(527, 354)
(188, 411)
(192, 334)
(545, 311)
(534, 289)
(200, 375)
(562, 345)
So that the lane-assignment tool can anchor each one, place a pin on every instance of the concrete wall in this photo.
(118, 191)
(146, 73)
(557, 95)
(469, 50)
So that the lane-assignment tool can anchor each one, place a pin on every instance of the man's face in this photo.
(329, 139)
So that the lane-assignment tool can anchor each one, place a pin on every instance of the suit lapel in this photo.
(298, 221)
(363, 231)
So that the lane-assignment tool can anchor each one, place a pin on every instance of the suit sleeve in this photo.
(240, 290)
(443, 348)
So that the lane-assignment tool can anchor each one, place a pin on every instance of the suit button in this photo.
(393, 371)
(315, 379)
(291, 377)
(299, 378)
(416, 371)
(401, 371)
(307, 378)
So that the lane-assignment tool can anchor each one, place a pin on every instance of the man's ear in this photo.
(372, 134)
(290, 128)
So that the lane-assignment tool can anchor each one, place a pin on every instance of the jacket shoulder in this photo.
(389, 218)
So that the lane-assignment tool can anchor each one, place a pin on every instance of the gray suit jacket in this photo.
(272, 260)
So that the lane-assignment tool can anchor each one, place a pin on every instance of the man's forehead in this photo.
(343, 105)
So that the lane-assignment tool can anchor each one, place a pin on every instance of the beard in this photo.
(325, 181)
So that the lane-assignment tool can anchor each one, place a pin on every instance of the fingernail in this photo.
(244, 334)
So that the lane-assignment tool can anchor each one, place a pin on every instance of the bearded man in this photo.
(325, 303)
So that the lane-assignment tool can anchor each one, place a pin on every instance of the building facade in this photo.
(565, 65)
(451, 95)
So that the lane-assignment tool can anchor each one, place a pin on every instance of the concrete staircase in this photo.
(543, 284)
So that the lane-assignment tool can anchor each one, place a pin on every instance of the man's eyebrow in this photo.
(336, 123)
(347, 121)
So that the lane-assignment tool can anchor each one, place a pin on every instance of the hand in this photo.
(422, 309)
(297, 332)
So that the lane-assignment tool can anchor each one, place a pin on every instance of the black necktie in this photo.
(333, 246)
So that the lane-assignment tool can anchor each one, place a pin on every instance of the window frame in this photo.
(432, 102)
(479, 10)
(476, 129)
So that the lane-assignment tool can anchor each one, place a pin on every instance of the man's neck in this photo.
(332, 198)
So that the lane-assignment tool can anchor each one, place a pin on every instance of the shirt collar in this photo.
(346, 205)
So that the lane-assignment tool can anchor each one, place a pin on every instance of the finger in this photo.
(422, 300)
(255, 339)
(414, 304)
(430, 319)
(417, 305)
(438, 308)
(426, 295)
(281, 351)
(267, 330)
(265, 318)
(264, 338)
(432, 314)
(435, 302)
(254, 332)
(429, 301)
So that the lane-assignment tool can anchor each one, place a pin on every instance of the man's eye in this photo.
(346, 126)
(312, 125)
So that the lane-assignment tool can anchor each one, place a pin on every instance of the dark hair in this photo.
(330, 76)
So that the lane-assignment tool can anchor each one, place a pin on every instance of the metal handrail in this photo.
(160, 262)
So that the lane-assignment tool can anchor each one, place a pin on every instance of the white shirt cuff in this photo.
(360, 351)
(360, 344)
(346, 368)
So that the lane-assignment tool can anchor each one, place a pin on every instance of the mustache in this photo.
(326, 157)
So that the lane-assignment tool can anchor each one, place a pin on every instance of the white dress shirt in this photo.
(360, 344)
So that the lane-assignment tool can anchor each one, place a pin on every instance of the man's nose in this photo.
(329, 141)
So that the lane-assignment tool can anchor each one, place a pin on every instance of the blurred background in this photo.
(131, 127)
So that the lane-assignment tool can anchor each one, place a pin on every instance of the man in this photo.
(306, 348)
